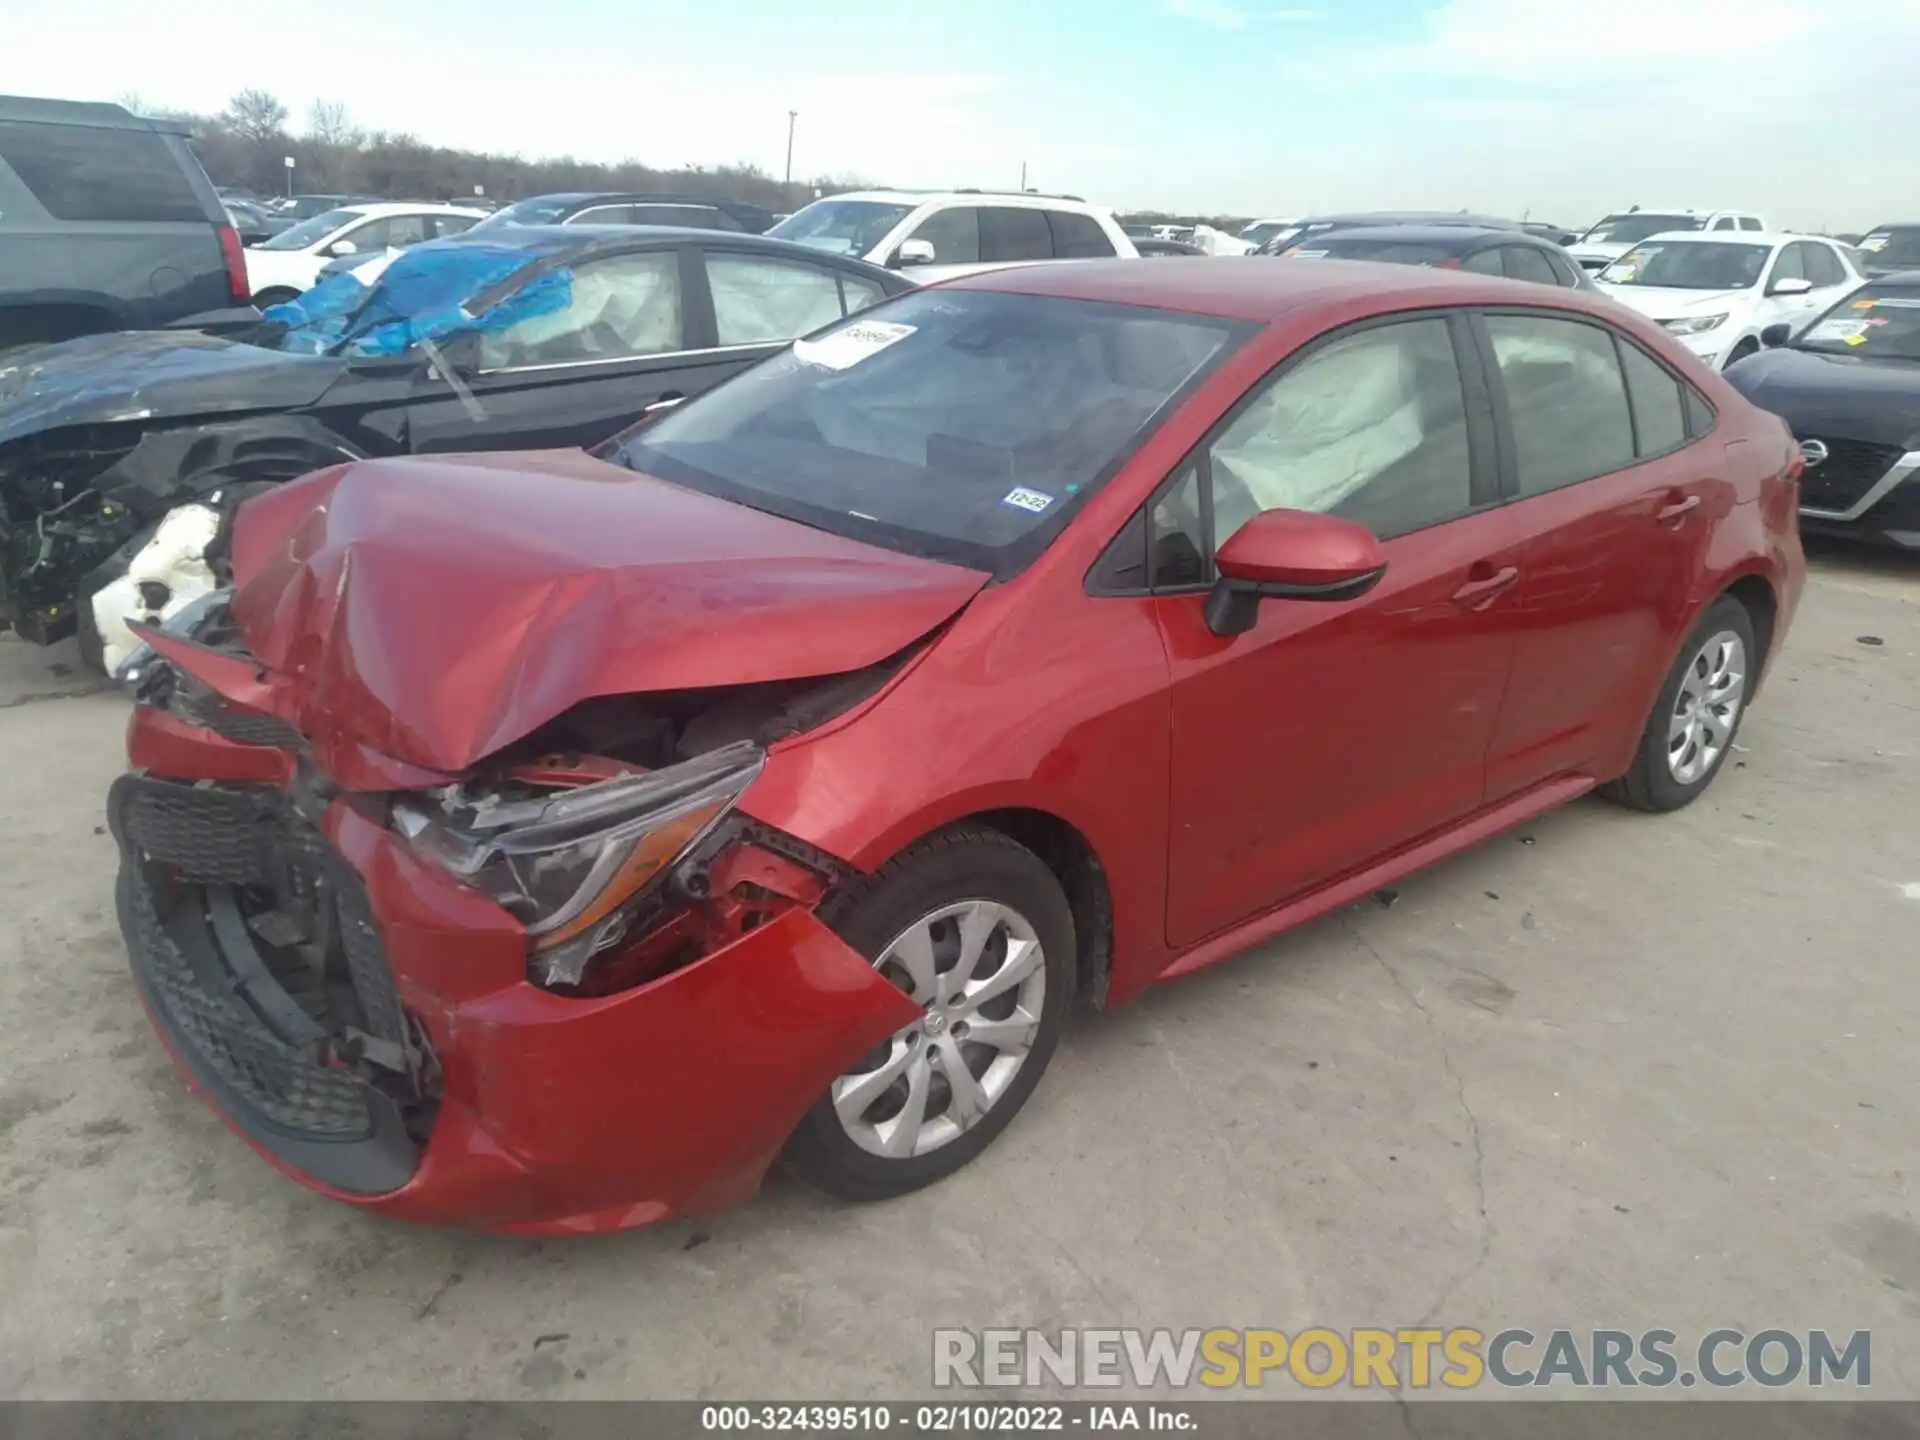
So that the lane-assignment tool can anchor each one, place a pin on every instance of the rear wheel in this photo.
(974, 927)
(1694, 722)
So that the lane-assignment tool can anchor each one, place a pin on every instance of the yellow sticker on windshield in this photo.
(1859, 339)
(1865, 304)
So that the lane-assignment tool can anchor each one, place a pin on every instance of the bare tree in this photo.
(131, 101)
(255, 115)
(327, 123)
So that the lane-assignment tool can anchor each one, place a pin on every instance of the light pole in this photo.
(792, 115)
(289, 177)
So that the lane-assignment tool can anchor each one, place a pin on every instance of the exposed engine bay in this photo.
(107, 524)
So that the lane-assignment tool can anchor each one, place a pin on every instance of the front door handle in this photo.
(1676, 510)
(1480, 593)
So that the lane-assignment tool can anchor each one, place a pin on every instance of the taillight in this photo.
(1450, 263)
(237, 285)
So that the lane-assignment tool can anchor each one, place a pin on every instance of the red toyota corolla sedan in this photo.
(550, 842)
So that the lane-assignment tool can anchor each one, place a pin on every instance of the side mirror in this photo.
(1790, 287)
(913, 252)
(1290, 555)
(1774, 336)
(343, 247)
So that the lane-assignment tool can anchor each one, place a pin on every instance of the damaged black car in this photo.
(123, 457)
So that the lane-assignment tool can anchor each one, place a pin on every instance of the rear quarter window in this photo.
(83, 173)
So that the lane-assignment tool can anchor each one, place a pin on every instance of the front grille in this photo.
(256, 943)
(1852, 468)
(281, 1084)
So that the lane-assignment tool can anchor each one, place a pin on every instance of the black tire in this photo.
(968, 862)
(1650, 783)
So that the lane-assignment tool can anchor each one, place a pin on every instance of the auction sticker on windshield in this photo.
(1851, 332)
(1022, 498)
(844, 349)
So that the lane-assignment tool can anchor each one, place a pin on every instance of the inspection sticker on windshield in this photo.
(1022, 498)
(845, 348)
(1852, 332)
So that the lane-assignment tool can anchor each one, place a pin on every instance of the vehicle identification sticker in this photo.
(1298, 254)
(1852, 332)
(1022, 498)
(1893, 302)
(845, 348)
(1875, 242)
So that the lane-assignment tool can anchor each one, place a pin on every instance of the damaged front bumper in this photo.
(443, 1085)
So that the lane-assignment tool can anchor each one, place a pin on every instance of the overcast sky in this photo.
(1803, 109)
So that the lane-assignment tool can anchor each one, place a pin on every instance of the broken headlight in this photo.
(578, 865)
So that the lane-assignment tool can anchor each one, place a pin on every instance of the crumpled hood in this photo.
(1835, 397)
(433, 610)
(151, 374)
(1660, 303)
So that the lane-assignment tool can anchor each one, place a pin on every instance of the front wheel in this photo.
(1694, 722)
(975, 928)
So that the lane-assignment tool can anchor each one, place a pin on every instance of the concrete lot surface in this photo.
(1613, 1070)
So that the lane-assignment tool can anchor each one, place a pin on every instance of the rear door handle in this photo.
(1478, 594)
(1677, 510)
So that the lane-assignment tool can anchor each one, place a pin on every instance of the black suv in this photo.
(107, 222)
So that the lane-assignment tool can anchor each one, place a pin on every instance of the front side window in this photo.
(80, 172)
(954, 234)
(1077, 236)
(1792, 265)
(686, 217)
(757, 300)
(622, 306)
(1007, 234)
(963, 425)
(1566, 400)
(1372, 428)
(1391, 252)
(1690, 265)
(445, 225)
(842, 227)
(1823, 265)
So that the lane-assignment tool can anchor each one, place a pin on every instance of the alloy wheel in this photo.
(1712, 690)
(979, 970)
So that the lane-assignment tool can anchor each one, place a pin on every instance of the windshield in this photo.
(1690, 265)
(1627, 229)
(309, 232)
(1891, 248)
(846, 227)
(965, 426)
(541, 210)
(1264, 231)
(1880, 321)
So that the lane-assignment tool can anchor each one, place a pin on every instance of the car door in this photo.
(629, 335)
(1793, 262)
(1331, 734)
(1614, 495)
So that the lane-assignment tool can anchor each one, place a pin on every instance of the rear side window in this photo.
(1747, 222)
(1526, 263)
(1010, 234)
(1077, 237)
(1566, 399)
(78, 172)
(1484, 262)
(1659, 404)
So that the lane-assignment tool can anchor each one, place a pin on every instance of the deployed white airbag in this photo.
(175, 557)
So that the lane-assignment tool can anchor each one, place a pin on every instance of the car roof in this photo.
(1740, 237)
(577, 242)
(966, 197)
(1460, 235)
(1352, 219)
(98, 114)
(408, 207)
(1261, 289)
